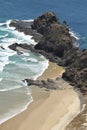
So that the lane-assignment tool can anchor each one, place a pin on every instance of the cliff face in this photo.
(55, 42)
(77, 71)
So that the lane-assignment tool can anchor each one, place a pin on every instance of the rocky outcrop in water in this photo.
(15, 46)
(56, 38)
(56, 43)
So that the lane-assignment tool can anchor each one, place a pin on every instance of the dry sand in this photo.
(50, 110)
(53, 71)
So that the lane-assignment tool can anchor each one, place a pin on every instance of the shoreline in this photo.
(72, 74)
(19, 111)
(41, 99)
(43, 75)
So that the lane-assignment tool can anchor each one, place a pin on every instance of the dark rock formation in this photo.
(13, 46)
(43, 22)
(77, 71)
(1, 47)
(31, 47)
(52, 36)
(48, 84)
(56, 44)
(24, 46)
(56, 38)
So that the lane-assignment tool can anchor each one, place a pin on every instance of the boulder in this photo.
(24, 46)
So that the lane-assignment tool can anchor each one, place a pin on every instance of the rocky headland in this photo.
(56, 44)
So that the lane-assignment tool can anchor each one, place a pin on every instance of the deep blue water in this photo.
(73, 11)
(14, 68)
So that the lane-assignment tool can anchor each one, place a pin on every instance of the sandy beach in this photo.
(50, 110)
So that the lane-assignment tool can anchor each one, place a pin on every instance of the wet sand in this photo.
(50, 110)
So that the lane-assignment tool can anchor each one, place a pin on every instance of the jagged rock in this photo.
(24, 46)
(13, 46)
(31, 47)
(56, 38)
(43, 22)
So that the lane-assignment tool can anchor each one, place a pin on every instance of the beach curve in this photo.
(47, 110)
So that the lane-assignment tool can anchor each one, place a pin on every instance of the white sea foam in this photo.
(26, 54)
(4, 59)
(20, 84)
(0, 79)
(32, 60)
(44, 65)
(14, 112)
(7, 23)
(73, 34)
(76, 36)
(3, 36)
(20, 35)
(1, 24)
(13, 88)
(2, 65)
(17, 109)
(30, 20)
(24, 83)
(9, 41)
(24, 38)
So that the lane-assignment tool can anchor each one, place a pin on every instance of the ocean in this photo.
(15, 96)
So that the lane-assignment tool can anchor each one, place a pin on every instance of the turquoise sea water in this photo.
(14, 95)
